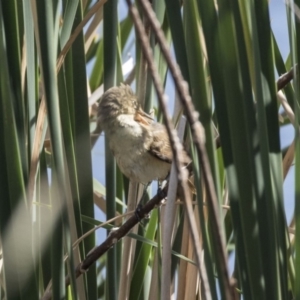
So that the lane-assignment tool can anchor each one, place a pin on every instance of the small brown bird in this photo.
(140, 145)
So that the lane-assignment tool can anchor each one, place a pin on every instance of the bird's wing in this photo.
(160, 146)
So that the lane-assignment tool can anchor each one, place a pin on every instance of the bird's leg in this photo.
(141, 201)
(160, 191)
(159, 185)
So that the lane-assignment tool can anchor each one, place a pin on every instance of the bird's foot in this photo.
(139, 216)
(140, 204)
(138, 212)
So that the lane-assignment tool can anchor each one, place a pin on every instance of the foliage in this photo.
(56, 59)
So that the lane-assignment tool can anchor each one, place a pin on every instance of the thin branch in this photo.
(199, 139)
(174, 140)
(285, 78)
(114, 237)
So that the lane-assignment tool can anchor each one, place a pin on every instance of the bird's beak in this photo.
(142, 117)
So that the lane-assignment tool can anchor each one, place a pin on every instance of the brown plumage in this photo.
(140, 145)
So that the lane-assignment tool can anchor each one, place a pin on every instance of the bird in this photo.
(140, 145)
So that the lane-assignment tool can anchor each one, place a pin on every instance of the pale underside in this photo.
(130, 144)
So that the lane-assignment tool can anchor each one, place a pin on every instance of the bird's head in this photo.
(118, 101)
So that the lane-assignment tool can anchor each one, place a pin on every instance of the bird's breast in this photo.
(125, 134)
(129, 142)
